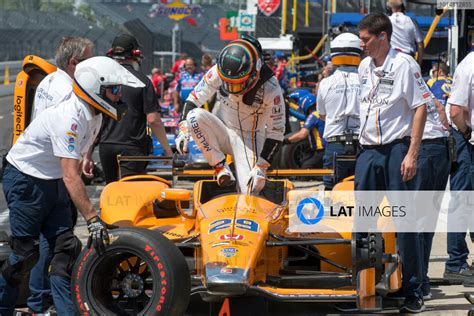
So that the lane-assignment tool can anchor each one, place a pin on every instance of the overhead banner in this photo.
(268, 7)
(175, 10)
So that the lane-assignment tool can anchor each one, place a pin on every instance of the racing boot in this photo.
(223, 174)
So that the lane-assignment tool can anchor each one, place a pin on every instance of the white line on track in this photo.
(1, 117)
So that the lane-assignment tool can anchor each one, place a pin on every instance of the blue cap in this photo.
(279, 54)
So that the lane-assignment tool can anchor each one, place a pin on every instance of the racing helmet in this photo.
(95, 74)
(306, 102)
(298, 94)
(239, 66)
(345, 50)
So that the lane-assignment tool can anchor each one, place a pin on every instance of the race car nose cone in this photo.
(226, 281)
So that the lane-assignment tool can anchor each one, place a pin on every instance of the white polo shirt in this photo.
(406, 34)
(433, 126)
(66, 130)
(389, 94)
(338, 99)
(53, 89)
(462, 90)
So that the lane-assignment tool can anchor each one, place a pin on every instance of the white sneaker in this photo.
(223, 174)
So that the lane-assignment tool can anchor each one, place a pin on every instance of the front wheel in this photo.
(142, 273)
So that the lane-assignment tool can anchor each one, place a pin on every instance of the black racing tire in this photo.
(292, 154)
(141, 273)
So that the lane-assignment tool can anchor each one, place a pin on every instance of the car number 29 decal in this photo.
(242, 223)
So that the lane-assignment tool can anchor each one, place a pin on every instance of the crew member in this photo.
(338, 106)
(52, 90)
(461, 102)
(314, 128)
(251, 119)
(393, 115)
(406, 36)
(43, 166)
(129, 136)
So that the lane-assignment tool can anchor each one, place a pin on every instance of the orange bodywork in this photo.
(231, 232)
(34, 69)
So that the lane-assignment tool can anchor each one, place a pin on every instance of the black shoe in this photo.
(413, 305)
(465, 275)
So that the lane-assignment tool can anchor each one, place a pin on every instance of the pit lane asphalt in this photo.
(447, 299)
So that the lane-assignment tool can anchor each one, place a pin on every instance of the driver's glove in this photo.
(98, 234)
(183, 137)
(258, 176)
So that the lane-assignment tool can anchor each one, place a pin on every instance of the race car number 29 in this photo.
(242, 223)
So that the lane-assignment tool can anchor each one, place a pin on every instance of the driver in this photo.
(251, 119)
(43, 166)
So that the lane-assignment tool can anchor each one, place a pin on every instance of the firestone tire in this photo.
(141, 273)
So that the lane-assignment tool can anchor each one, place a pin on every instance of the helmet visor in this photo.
(234, 88)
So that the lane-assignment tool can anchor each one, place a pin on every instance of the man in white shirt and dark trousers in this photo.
(393, 115)
(43, 166)
(52, 90)
(406, 36)
(461, 102)
(338, 106)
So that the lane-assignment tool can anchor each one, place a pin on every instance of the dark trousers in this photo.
(344, 168)
(459, 181)
(378, 169)
(108, 158)
(432, 174)
(36, 207)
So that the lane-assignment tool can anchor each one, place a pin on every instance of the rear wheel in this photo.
(142, 273)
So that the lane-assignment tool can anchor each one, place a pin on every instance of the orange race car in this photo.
(213, 241)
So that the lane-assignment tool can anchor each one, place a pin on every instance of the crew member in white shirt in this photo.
(406, 35)
(43, 166)
(338, 105)
(52, 90)
(393, 115)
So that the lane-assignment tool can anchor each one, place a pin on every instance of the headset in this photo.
(134, 53)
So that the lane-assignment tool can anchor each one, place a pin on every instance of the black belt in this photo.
(439, 141)
(342, 138)
(405, 139)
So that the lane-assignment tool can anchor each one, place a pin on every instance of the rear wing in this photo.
(34, 69)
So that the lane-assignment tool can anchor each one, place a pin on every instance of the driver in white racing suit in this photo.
(250, 122)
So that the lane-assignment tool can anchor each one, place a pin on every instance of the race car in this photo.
(222, 244)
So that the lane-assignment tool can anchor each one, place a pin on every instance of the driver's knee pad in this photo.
(66, 250)
(27, 251)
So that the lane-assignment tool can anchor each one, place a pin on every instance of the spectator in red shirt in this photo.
(179, 64)
(157, 79)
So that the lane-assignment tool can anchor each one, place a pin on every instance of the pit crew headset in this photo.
(124, 47)
(242, 72)
(94, 75)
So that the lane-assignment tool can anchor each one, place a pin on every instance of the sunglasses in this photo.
(115, 89)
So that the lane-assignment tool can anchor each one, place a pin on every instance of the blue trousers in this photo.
(40, 290)
(36, 207)
(459, 181)
(378, 169)
(432, 174)
(344, 168)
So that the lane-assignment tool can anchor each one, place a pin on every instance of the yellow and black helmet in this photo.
(239, 66)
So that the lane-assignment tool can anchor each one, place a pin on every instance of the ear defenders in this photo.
(133, 53)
